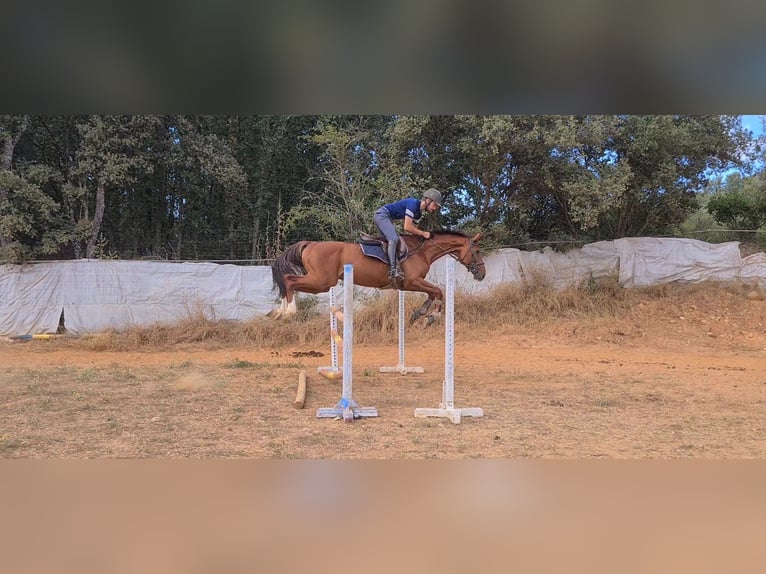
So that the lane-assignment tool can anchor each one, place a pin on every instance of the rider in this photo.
(410, 210)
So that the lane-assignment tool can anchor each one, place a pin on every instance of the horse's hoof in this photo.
(431, 320)
(415, 316)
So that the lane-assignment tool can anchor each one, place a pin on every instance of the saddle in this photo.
(377, 247)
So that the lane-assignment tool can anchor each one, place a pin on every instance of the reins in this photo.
(472, 266)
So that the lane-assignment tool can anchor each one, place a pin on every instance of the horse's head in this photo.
(457, 244)
(470, 256)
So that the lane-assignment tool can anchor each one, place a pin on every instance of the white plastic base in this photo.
(453, 414)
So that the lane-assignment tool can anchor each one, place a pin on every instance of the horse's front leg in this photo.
(423, 309)
(436, 312)
(434, 296)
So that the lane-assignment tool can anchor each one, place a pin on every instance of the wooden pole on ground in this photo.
(300, 397)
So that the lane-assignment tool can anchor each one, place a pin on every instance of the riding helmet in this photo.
(434, 195)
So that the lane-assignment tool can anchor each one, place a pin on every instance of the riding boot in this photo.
(394, 273)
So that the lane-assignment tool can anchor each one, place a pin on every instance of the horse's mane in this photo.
(452, 232)
(456, 232)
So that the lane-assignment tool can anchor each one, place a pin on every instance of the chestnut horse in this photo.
(316, 266)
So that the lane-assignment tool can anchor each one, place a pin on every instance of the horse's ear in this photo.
(476, 237)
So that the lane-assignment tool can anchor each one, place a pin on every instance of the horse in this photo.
(315, 267)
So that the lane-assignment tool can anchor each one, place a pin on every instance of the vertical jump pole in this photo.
(347, 407)
(447, 407)
(400, 368)
(332, 372)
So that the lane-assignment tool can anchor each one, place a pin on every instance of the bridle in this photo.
(472, 266)
(473, 249)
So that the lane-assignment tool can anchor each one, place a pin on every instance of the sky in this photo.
(754, 124)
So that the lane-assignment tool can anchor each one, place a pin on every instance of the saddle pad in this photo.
(374, 250)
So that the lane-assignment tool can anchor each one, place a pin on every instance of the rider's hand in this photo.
(427, 235)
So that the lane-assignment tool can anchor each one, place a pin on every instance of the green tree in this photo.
(11, 130)
(669, 158)
(31, 223)
(547, 177)
(211, 202)
(239, 187)
(519, 176)
(343, 192)
(115, 150)
(162, 186)
(277, 159)
(740, 204)
(30, 220)
(53, 142)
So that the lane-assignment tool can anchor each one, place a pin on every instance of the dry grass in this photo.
(377, 322)
(532, 304)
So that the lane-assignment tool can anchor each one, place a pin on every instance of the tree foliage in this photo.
(740, 204)
(340, 203)
(243, 187)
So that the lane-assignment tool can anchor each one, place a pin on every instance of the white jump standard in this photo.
(447, 406)
(347, 407)
(333, 371)
(400, 368)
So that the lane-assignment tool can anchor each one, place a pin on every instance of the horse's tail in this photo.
(288, 262)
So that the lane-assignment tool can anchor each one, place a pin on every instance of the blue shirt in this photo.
(404, 207)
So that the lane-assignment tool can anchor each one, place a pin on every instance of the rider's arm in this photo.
(410, 227)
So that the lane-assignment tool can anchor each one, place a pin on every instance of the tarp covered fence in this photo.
(95, 295)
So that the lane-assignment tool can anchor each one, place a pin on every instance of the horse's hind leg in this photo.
(310, 283)
(285, 309)
(287, 306)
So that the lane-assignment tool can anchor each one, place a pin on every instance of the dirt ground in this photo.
(684, 382)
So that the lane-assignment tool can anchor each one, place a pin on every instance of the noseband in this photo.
(472, 266)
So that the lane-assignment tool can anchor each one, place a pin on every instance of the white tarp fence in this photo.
(95, 295)
(652, 261)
